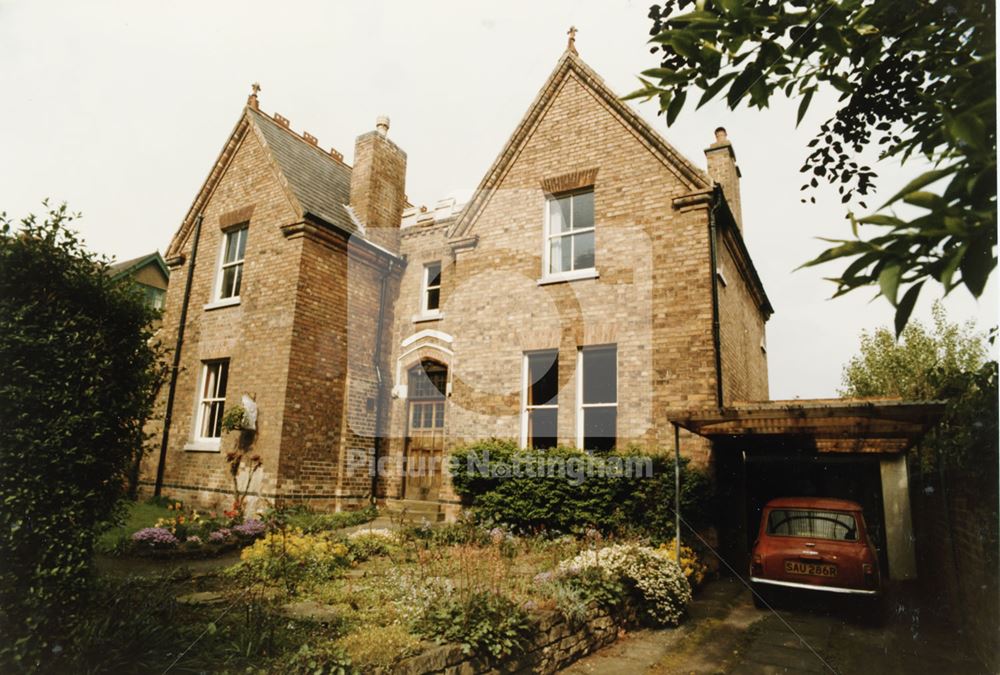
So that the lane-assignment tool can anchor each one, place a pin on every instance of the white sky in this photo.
(120, 109)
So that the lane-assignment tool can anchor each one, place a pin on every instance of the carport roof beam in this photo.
(835, 425)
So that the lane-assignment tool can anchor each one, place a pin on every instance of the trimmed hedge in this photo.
(77, 379)
(569, 490)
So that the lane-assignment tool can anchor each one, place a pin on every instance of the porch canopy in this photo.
(825, 425)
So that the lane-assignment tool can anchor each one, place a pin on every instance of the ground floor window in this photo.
(540, 413)
(597, 398)
(212, 399)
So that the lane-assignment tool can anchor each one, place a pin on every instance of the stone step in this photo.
(413, 510)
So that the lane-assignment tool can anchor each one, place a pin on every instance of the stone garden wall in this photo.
(556, 644)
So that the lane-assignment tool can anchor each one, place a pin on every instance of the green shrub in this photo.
(312, 522)
(578, 593)
(569, 490)
(378, 648)
(365, 544)
(324, 658)
(78, 377)
(292, 558)
(483, 622)
(652, 576)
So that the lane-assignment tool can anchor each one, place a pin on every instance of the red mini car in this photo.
(816, 544)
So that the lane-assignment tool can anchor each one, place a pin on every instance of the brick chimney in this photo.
(723, 170)
(378, 184)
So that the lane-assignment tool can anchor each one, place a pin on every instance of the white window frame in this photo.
(217, 299)
(203, 402)
(425, 288)
(570, 275)
(580, 405)
(525, 408)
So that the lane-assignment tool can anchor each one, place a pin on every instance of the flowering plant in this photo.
(155, 537)
(220, 535)
(692, 566)
(250, 528)
(367, 543)
(654, 577)
(292, 556)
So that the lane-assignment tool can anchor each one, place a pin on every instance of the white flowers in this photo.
(656, 577)
(388, 535)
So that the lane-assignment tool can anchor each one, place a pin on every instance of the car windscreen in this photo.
(812, 523)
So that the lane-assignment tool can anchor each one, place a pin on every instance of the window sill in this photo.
(219, 304)
(427, 316)
(204, 446)
(562, 277)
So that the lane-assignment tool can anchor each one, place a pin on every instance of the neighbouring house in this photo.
(149, 272)
(595, 291)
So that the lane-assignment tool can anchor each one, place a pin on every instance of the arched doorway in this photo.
(426, 386)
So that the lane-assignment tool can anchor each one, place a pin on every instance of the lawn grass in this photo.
(140, 515)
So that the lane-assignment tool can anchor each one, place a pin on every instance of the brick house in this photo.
(596, 281)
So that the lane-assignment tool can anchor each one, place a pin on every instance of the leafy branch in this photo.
(914, 80)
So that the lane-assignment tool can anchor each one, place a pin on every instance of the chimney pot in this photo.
(382, 124)
(720, 135)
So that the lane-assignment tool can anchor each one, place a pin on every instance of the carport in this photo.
(846, 448)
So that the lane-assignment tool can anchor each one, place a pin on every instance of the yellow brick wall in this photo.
(255, 335)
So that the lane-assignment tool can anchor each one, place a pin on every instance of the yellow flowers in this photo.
(694, 569)
(295, 545)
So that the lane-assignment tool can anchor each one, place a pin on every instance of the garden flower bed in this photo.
(186, 533)
(461, 597)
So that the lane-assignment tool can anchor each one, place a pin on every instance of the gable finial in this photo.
(252, 99)
(571, 42)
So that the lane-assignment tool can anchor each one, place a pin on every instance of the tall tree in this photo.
(921, 365)
(916, 79)
(946, 361)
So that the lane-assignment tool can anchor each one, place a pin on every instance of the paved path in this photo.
(726, 634)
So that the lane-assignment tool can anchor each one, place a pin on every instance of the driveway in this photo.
(726, 634)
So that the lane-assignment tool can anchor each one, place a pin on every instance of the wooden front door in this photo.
(425, 432)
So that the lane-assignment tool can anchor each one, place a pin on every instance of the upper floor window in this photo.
(569, 233)
(540, 414)
(597, 414)
(431, 294)
(211, 399)
(234, 245)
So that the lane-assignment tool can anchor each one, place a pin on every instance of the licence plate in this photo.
(811, 569)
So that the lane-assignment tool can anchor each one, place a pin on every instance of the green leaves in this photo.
(915, 81)
(920, 181)
(905, 307)
(804, 105)
(65, 450)
(674, 109)
(888, 280)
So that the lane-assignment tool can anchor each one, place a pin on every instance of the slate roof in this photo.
(320, 183)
